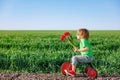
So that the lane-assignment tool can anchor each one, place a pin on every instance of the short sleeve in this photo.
(84, 43)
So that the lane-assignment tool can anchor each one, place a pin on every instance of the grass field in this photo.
(44, 52)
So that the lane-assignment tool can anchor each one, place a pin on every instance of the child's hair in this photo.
(84, 33)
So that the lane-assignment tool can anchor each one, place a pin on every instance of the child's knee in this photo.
(73, 58)
(74, 61)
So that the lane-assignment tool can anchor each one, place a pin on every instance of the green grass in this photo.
(42, 51)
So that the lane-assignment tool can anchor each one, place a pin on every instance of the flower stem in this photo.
(71, 43)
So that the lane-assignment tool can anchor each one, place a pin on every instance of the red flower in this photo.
(62, 37)
(66, 34)
(68, 37)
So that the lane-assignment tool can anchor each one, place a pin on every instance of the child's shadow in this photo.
(81, 75)
(84, 76)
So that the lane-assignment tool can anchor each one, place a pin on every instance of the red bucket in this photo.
(66, 66)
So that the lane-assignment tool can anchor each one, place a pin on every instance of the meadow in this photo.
(43, 51)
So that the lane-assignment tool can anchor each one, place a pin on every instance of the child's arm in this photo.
(81, 50)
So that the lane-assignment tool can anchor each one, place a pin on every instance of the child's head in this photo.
(83, 33)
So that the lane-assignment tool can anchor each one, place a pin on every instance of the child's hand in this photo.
(75, 50)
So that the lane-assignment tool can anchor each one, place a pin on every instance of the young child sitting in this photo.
(85, 50)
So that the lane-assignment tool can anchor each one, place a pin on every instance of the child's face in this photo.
(79, 36)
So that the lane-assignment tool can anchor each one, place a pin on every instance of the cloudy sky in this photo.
(59, 14)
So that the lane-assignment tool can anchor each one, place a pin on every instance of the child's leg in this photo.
(74, 68)
(74, 62)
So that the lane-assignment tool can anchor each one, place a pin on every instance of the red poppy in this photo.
(66, 33)
(62, 37)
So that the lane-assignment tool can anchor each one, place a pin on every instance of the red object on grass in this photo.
(62, 37)
(66, 66)
(92, 73)
(66, 34)
(86, 69)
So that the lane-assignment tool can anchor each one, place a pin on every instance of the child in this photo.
(85, 50)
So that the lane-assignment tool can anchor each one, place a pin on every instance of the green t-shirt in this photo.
(84, 43)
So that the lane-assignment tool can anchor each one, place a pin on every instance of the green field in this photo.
(44, 52)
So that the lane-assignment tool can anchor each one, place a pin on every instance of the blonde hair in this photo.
(84, 33)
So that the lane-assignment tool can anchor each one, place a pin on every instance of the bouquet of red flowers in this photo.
(67, 36)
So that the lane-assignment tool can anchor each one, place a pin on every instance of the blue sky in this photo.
(59, 14)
